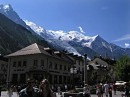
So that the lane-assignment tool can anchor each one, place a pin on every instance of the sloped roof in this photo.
(31, 49)
(94, 66)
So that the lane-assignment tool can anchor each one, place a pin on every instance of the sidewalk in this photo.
(4, 94)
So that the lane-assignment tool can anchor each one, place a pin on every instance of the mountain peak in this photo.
(6, 7)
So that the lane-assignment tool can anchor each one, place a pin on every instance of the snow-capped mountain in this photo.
(61, 35)
(73, 41)
(8, 11)
(53, 37)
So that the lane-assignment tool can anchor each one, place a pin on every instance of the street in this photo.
(118, 94)
(4, 94)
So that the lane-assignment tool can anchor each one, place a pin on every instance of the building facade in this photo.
(39, 62)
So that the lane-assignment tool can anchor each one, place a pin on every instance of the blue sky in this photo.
(108, 18)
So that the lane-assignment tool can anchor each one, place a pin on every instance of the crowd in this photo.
(107, 88)
(41, 90)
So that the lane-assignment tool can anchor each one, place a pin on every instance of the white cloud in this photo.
(125, 37)
(81, 29)
(127, 45)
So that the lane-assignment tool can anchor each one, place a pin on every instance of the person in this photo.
(29, 90)
(101, 89)
(98, 90)
(110, 90)
(126, 90)
(66, 87)
(106, 89)
(58, 89)
(45, 90)
(10, 91)
(86, 90)
(114, 88)
(0, 91)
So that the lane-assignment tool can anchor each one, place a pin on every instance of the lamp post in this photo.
(85, 70)
(73, 71)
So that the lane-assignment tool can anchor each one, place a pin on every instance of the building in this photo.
(104, 71)
(39, 62)
(3, 69)
(77, 69)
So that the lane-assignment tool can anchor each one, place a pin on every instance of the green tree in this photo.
(122, 68)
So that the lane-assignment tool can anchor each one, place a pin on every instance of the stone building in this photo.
(105, 69)
(77, 69)
(39, 62)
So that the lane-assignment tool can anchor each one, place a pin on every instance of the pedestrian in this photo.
(126, 90)
(98, 90)
(58, 89)
(66, 87)
(101, 89)
(114, 88)
(110, 91)
(29, 90)
(0, 91)
(45, 90)
(86, 90)
(106, 89)
(10, 91)
(18, 89)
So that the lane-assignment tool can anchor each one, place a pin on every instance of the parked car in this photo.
(120, 85)
(92, 90)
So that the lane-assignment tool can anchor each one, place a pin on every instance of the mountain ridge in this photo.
(71, 41)
(14, 36)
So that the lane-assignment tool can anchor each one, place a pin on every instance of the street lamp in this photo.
(85, 70)
(73, 71)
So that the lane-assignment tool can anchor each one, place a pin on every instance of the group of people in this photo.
(104, 88)
(107, 90)
(43, 90)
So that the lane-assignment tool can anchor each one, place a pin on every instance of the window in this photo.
(15, 78)
(64, 79)
(55, 79)
(79, 62)
(24, 63)
(35, 63)
(50, 65)
(68, 68)
(60, 67)
(64, 67)
(14, 64)
(22, 78)
(55, 66)
(60, 79)
(19, 63)
(42, 63)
